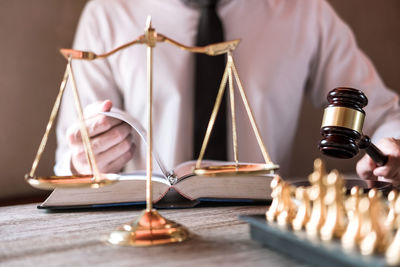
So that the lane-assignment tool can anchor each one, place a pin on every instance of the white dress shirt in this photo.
(289, 50)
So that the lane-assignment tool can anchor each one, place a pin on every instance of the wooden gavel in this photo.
(342, 126)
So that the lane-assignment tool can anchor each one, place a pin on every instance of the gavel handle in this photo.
(374, 152)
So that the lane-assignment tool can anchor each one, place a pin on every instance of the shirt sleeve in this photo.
(94, 79)
(338, 62)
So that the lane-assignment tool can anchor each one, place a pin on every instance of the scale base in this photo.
(148, 230)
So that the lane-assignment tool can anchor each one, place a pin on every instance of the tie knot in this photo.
(202, 3)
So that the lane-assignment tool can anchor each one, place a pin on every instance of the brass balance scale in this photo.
(150, 228)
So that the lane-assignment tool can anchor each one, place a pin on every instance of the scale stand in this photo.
(150, 228)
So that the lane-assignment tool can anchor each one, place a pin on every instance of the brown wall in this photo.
(31, 70)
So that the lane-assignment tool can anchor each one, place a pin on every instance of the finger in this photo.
(365, 167)
(81, 165)
(112, 154)
(386, 172)
(96, 107)
(117, 165)
(101, 124)
(102, 143)
(111, 138)
(92, 110)
(95, 125)
(389, 170)
(390, 146)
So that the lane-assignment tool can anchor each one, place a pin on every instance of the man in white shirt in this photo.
(289, 49)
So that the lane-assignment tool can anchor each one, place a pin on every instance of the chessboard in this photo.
(324, 224)
(313, 251)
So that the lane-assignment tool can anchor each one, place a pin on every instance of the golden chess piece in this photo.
(317, 194)
(352, 234)
(365, 217)
(288, 212)
(276, 195)
(392, 252)
(391, 216)
(304, 210)
(335, 222)
(377, 238)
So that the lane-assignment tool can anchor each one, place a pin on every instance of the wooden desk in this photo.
(32, 237)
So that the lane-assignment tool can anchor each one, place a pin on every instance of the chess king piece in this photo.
(378, 236)
(304, 209)
(352, 234)
(342, 126)
(317, 194)
(392, 252)
(335, 221)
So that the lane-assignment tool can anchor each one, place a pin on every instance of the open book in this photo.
(178, 187)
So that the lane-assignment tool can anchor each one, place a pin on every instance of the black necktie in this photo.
(208, 75)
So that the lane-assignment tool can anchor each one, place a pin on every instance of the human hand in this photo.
(367, 168)
(111, 141)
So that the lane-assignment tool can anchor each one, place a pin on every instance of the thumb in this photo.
(365, 168)
(106, 105)
(96, 107)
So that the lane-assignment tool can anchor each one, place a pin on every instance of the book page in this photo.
(226, 187)
(130, 188)
(140, 130)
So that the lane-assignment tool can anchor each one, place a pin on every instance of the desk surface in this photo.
(32, 237)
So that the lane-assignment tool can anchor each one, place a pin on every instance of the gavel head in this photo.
(342, 122)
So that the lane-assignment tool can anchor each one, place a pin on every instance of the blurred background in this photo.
(31, 70)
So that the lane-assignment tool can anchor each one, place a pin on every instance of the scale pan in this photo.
(236, 169)
(74, 181)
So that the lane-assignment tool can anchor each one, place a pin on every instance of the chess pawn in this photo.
(288, 212)
(392, 253)
(276, 195)
(377, 238)
(352, 234)
(304, 210)
(335, 221)
(391, 217)
(317, 194)
(365, 217)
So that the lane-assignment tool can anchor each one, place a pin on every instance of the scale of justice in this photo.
(150, 228)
